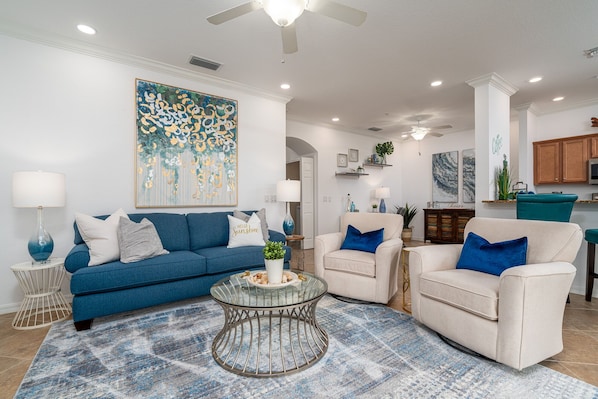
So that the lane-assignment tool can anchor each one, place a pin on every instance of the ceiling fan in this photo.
(419, 132)
(285, 12)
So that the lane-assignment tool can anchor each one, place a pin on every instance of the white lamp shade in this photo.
(382, 192)
(35, 189)
(288, 191)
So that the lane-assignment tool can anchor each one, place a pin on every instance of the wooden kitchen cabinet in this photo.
(563, 160)
(446, 226)
(547, 162)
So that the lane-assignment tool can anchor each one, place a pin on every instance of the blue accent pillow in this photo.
(480, 255)
(367, 242)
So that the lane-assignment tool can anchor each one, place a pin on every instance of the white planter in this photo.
(274, 270)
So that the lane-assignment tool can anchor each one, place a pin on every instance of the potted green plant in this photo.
(384, 149)
(503, 180)
(374, 208)
(274, 260)
(408, 212)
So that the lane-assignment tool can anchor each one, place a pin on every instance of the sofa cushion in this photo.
(138, 241)
(351, 261)
(101, 236)
(367, 242)
(244, 233)
(207, 230)
(171, 227)
(223, 259)
(116, 276)
(472, 291)
(483, 256)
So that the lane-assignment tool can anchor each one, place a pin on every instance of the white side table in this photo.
(44, 302)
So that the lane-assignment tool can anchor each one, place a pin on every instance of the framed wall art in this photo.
(341, 160)
(445, 178)
(468, 157)
(353, 155)
(186, 148)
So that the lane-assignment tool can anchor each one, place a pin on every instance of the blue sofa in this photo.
(198, 258)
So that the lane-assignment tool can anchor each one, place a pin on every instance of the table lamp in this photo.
(381, 193)
(39, 190)
(288, 191)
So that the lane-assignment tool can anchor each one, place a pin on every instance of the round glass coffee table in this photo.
(269, 331)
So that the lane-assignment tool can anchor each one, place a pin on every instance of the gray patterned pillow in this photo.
(138, 241)
(260, 214)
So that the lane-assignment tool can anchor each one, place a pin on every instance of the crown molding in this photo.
(107, 54)
(495, 80)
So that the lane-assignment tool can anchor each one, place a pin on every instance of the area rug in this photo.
(374, 352)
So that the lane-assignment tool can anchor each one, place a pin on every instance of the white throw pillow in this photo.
(101, 236)
(241, 233)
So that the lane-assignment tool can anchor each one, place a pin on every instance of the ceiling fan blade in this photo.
(332, 9)
(234, 12)
(442, 127)
(434, 134)
(289, 39)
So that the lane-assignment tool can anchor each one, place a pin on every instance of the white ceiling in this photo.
(377, 74)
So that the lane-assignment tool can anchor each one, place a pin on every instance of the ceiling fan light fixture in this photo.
(284, 12)
(418, 133)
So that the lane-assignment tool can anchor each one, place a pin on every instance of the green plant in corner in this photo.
(274, 250)
(408, 212)
(503, 180)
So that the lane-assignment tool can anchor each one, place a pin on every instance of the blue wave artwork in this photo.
(445, 178)
(469, 175)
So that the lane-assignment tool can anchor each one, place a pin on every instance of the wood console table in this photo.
(445, 226)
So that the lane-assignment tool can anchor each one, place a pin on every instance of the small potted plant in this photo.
(384, 149)
(408, 212)
(374, 208)
(274, 261)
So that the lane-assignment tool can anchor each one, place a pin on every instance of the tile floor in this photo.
(578, 359)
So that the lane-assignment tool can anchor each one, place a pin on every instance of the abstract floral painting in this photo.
(469, 175)
(445, 178)
(186, 148)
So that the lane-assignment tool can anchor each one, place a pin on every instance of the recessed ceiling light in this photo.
(285, 86)
(436, 83)
(558, 98)
(535, 79)
(86, 29)
(335, 119)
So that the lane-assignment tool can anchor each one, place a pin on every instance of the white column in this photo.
(527, 132)
(492, 131)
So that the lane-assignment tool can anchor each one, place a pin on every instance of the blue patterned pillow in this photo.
(367, 242)
(480, 255)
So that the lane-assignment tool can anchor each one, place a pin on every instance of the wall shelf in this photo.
(376, 165)
(350, 174)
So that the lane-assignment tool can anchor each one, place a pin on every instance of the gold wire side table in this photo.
(44, 302)
(269, 332)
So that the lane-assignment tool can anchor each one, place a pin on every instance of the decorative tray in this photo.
(259, 279)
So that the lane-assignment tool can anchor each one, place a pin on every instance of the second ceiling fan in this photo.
(285, 12)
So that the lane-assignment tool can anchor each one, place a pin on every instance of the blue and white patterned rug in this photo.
(374, 352)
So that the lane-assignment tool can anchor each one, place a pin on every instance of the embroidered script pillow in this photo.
(260, 214)
(241, 233)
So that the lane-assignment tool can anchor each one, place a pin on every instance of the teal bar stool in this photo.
(591, 236)
(551, 207)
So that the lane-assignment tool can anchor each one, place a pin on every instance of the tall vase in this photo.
(274, 270)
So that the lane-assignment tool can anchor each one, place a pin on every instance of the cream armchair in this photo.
(357, 274)
(515, 318)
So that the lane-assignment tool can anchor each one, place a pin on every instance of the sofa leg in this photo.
(83, 325)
